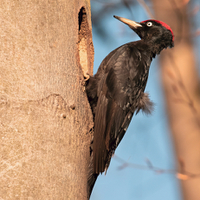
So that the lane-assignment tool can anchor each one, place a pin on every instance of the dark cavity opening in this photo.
(81, 17)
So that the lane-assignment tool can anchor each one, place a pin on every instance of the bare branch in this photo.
(146, 8)
(182, 174)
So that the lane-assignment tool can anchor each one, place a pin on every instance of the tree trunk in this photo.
(45, 117)
(181, 86)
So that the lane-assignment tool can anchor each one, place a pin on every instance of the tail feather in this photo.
(91, 177)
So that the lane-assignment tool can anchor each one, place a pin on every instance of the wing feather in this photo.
(117, 79)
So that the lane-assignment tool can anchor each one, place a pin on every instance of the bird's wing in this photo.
(113, 113)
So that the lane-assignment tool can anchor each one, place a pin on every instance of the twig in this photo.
(182, 174)
(147, 9)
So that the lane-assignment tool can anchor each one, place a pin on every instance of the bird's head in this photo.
(152, 31)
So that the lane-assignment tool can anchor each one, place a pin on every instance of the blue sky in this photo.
(148, 137)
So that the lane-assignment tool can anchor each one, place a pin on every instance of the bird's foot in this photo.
(86, 76)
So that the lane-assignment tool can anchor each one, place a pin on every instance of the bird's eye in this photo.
(149, 24)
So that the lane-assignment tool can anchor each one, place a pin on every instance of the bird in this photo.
(116, 91)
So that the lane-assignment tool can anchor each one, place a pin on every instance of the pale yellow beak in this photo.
(129, 22)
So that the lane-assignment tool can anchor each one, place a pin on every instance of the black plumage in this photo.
(116, 91)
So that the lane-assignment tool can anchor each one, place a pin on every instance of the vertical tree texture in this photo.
(45, 117)
(181, 86)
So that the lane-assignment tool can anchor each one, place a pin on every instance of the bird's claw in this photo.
(86, 76)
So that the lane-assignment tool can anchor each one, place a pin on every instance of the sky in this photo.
(147, 141)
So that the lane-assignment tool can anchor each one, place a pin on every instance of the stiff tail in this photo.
(91, 177)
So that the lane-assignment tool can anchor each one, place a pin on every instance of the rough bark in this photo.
(45, 117)
(181, 87)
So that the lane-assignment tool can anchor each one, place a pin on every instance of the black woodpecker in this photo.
(116, 91)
